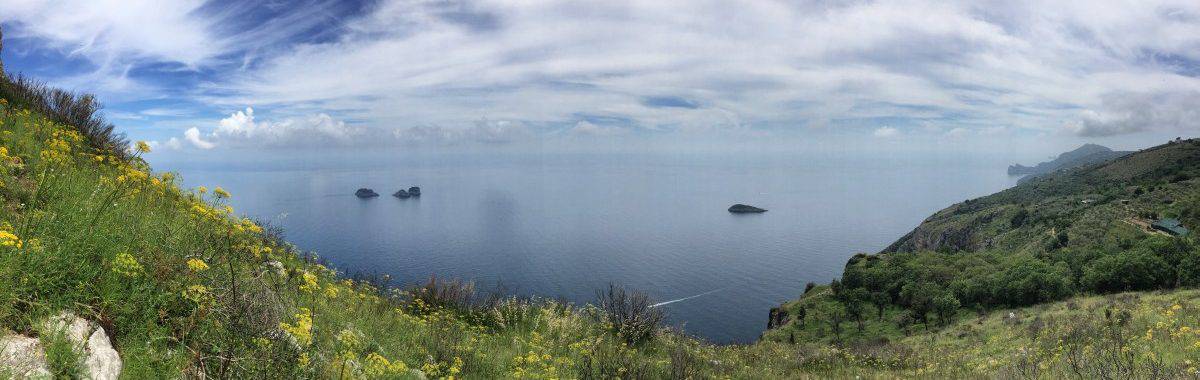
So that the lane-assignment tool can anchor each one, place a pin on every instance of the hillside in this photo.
(1085, 155)
(1067, 235)
(1080, 206)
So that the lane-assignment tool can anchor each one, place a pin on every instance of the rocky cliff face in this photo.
(778, 317)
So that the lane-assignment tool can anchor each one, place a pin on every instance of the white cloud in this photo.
(192, 135)
(243, 129)
(585, 128)
(429, 70)
(171, 144)
(1121, 113)
(886, 132)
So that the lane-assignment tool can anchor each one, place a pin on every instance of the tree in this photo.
(853, 300)
(945, 306)
(880, 300)
(919, 298)
(1131, 270)
(1188, 270)
(833, 314)
(1030, 281)
(1138, 269)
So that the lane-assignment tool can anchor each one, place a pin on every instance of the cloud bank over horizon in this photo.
(208, 75)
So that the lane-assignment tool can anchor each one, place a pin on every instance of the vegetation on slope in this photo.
(185, 286)
(1073, 233)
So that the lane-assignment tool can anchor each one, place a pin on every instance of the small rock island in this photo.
(745, 209)
(411, 192)
(366, 193)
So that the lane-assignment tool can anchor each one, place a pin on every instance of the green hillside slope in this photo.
(1079, 207)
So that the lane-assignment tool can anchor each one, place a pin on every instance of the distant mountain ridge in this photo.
(1084, 155)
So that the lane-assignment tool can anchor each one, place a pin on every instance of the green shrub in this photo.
(1138, 269)
(630, 315)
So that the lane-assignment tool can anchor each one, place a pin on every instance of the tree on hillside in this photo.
(833, 314)
(1138, 269)
(919, 298)
(853, 300)
(880, 300)
(945, 306)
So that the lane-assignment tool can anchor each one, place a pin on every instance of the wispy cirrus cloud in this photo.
(429, 71)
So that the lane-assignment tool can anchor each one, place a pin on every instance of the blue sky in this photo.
(205, 76)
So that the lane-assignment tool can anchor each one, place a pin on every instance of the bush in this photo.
(79, 111)
(630, 315)
(1031, 281)
(1133, 270)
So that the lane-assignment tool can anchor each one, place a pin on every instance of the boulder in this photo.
(401, 194)
(277, 267)
(366, 193)
(742, 209)
(101, 361)
(414, 191)
(22, 357)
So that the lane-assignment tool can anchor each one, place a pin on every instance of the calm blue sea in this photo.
(563, 225)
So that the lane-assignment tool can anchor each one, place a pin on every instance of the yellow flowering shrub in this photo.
(301, 331)
(126, 265)
(377, 366)
(310, 282)
(8, 238)
(197, 265)
(198, 294)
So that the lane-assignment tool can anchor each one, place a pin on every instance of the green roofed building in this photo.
(1170, 226)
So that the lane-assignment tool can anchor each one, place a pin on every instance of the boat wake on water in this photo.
(686, 298)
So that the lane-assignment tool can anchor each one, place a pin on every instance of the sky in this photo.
(205, 77)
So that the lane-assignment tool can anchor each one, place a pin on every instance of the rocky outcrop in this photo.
(100, 360)
(401, 194)
(366, 193)
(24, 357)
(777, 318)
(744, 209)
(414, 191)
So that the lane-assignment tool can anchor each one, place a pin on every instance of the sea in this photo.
(563, 225)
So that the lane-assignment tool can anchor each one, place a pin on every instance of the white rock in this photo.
(76, 329)
(278, 267)
(103, 362)
(22, 357)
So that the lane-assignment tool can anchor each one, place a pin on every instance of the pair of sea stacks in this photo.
(412, 192)
(368, 193)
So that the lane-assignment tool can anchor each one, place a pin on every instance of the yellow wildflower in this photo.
(220, 193)
(197, 265)
(125, 264)
(197, 293)
(8, 239)
(310, 282)
(142, 147)
(302, 329)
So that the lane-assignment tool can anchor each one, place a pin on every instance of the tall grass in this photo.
(78, 111)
